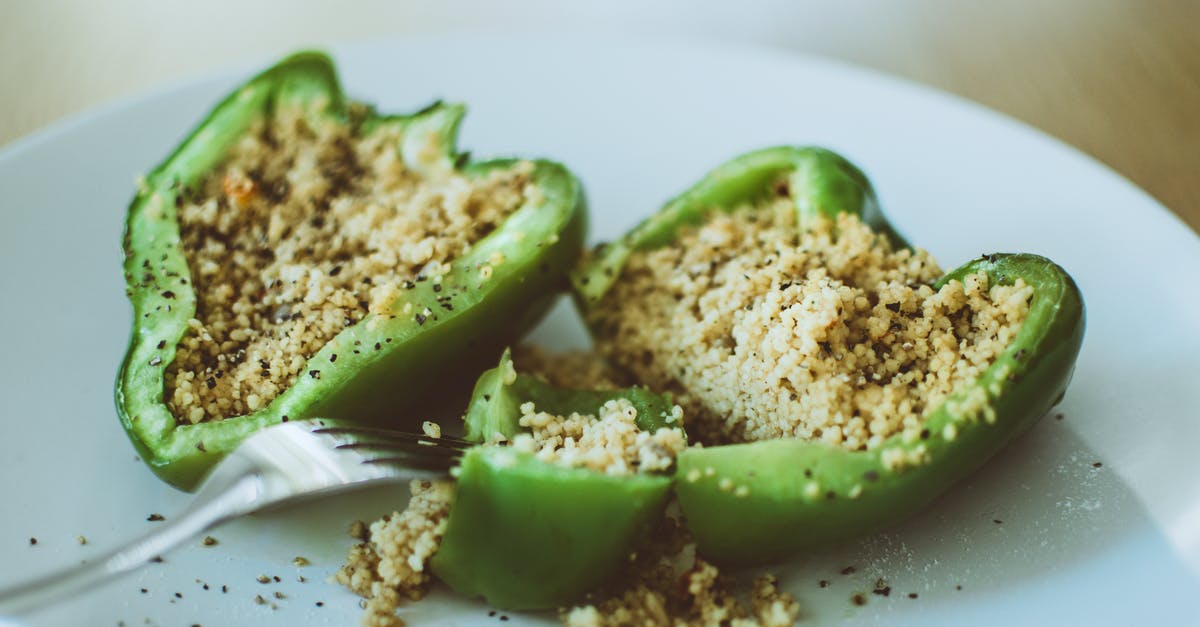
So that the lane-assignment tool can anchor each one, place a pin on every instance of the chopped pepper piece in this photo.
(761, 501)
(527, 534)
(477, 307)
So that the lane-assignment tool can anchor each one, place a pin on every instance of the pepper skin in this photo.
(785, 496)
(526, 534)
(383, 363)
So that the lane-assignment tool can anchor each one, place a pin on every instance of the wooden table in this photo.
(1119, 79)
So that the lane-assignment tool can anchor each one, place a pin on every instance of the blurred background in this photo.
(1119, 79)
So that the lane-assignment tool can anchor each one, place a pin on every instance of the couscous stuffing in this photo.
(762, 330)
(307, 228)
(608, 442)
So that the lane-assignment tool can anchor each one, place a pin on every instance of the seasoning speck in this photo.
(81, 540)
(859, 599)
(849, 570)
(209, 541)
(824, 583)
(263, 579)
(155, 518)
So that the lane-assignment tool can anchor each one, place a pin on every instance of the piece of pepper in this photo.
(759, 502)
(399, 357)
(527, 534)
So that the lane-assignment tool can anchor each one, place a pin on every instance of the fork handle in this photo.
(210, 508)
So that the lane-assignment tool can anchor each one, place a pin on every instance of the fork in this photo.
(280, 464)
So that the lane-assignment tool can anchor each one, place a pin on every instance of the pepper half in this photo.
(405, 355)
(527, 534)
(758, 502)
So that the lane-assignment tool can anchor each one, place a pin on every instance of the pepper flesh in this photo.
(758, 502)
(526, 534)
(401, 357)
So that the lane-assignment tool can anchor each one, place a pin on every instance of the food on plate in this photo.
(566, 484)
(301, 255)
(565, 501)
(776, 369)
(839, 379)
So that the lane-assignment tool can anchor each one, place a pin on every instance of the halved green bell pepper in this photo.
(760, 501)
(526, 534)
(375, 368)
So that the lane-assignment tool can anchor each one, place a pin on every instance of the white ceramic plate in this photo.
(1041, 535)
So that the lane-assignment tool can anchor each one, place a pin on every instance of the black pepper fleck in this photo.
(333, 358)
(420, 319)
(824, 583)
(316, 374)
(1096, 464)
(155, 518)
(849, 570)
(32, 541)
(912, 595)
(858, 599)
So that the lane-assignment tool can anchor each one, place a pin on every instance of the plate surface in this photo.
(1043, 534)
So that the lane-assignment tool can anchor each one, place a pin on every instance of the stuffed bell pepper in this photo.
(838, 379)
(302, 255)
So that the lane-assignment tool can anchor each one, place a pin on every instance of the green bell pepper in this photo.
(760, 501)
(384, 363)
(526, 534)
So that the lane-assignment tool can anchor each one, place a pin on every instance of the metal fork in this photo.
(280, 464)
